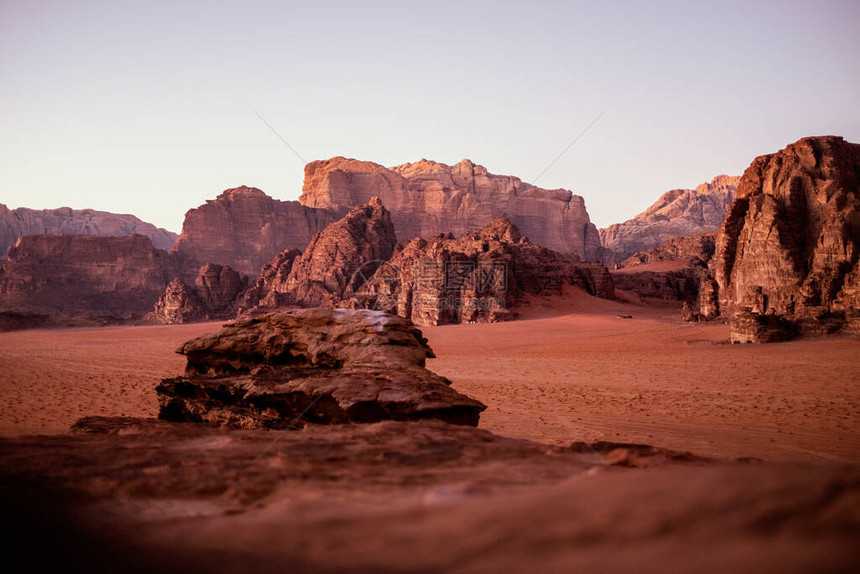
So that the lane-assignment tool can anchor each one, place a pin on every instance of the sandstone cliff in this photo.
(244, 228)
(83, 276)
(428, 198)
(23, 221)
(478, 277)
(680, 212)
(790, 244)
(337, 261)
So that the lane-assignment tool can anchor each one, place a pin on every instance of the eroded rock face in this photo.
(337, 262)
(680, 212)
(670, 272)
(790, 244)
(695, 251)
(23, 221)
(427, 198)
(65, 276)
(213, 296)
(324, 366)
(478, 277)
(244, 228)
(680, 283)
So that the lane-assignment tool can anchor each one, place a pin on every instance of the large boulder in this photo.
(325, 366)
(478, 277)
(790, 244)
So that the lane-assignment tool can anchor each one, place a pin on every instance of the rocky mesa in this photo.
(243, 228)
(427, 198)
(83, 276)
(23, 221)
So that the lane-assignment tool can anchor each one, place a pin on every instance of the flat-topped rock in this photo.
(325, 366)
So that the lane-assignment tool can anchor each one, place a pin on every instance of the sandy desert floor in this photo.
(569, 370)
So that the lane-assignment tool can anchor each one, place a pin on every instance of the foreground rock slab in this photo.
(328, 366)
(137, 495)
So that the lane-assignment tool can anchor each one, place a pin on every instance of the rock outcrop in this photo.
(790, 244)
(427, 198)
(671, 272)
(655, 281)
(679, 212)
(23, 221)
(694, 251)
(337, 262)
(244, 228)
(478, 277)
(213, 296)
(83, 276)
(324, 366)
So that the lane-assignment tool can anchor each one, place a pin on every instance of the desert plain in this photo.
(749, 464)
(570, 369)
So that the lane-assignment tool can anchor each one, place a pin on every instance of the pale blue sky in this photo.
(146, 107)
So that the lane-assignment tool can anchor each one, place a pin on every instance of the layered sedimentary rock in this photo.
(337, 261)
(670, 272)
(655, 281)
(23, 221)
(427, 198)
(270, 289)
(83, 276)
(478, 277)
(790, 243)
(244, 228)
(695, 250)
(324, 366)
(213, 296)
(679, 212)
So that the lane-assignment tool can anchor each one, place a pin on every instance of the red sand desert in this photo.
(569, 370)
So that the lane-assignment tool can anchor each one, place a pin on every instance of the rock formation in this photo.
(671, 272)
(790, 244)
(653, 281)
(427, 198)
(270, 289)
(244, 228)
(323, 366)
(696, 250)
(213, 296)
(337, 261)
(476, 278)
(23, 221)
(680, 212)
(83, 276)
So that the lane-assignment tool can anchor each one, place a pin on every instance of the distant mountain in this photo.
(427, 198)
(23, 221)
(680, 212)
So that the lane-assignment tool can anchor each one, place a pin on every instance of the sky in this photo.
(153, 107)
